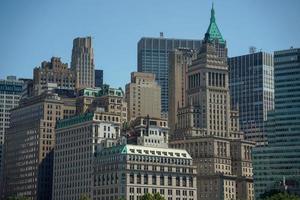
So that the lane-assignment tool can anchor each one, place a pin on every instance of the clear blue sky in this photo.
(32, 31)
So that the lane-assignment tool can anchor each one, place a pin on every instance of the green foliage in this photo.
(155, 196)
(281, 196)
(17, 198)
(84, 197)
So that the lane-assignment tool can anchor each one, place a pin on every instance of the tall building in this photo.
(53, 74)
(143, 96)
(251, 83)
(209, 130)
(98, 78)
(279, 159)
(83, 62)
(179, 60)
(10, 94)
(29, 146)
(153, 57)
(130, 171)
(77, 141)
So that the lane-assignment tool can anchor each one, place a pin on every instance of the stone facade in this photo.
(130, 171)
(53, 74)
(209, 130)
(143, 96)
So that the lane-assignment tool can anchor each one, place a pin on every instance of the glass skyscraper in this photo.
(280, 159)
(153, 57)
(251, 82)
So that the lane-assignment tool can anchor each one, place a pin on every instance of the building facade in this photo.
(251, 83)
(10, 95)
(98, 78)
(279, 159)
(149, 131)
(130, 171)
(83, 62)
(209, 130)
(53, 74)
(29, 146)
(153, 57)
(179, 60)
(110, 99)
(77, 141)
(143, 96)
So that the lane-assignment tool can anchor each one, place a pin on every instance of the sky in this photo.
(32, 31)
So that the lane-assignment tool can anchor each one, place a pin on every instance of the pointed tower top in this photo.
(213, 32)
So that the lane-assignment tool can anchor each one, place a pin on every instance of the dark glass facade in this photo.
(280, 158)
(153, 57)
(251, 82)
(98, 78)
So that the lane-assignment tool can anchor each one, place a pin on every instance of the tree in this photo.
(155, 196)
(84, 197)
(282, 196)
(17, 198)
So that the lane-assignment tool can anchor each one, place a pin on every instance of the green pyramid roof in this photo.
(213, 30)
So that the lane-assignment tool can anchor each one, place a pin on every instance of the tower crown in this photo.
(213, 32)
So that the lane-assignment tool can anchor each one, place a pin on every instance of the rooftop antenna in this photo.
(252, 49)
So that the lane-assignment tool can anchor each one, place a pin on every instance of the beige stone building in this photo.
(149, 131)
(53, 74)
(179, 60)
(77, 140)
(143, 96)
(130, 171)
(83, 62)
(209, 130)
(29, 145)
(110, 99)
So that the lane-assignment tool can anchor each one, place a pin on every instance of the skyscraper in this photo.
(251, 83)
(143, 96)
(209, 129)
(10, 94)
(153, 57)
(98, 78)
(279, 159)
(83, 62)
(29, 146)
(179, 60)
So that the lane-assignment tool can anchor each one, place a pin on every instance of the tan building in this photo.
(179, 60)
(29, 146)
(149, 131)
(130, 171)
(77, 140)
(143, 96)
(83, 62)
(110, 99)
(209, 130)
(53, 74)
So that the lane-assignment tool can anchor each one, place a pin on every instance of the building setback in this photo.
(77, 140)
(29, 146)
(279, 159)
(251, 83)
(209, 130)
(153, 57)
(53, 74)
(130, 171)
(143, 96)
(83, 62)
(10, 94)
